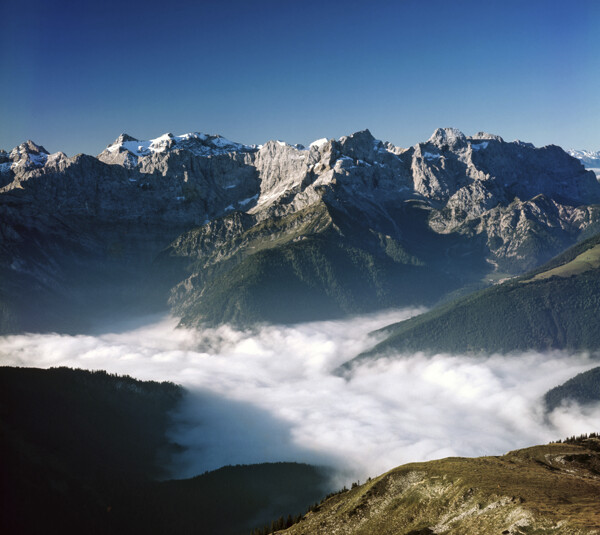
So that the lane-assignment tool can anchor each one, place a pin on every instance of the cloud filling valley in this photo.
(274, 393)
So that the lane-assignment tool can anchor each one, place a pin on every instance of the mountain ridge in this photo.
(509, 206)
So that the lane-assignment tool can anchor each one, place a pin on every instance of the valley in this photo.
(300, 268)
(323, 314)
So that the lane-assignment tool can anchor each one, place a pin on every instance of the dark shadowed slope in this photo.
(584, 389)
(81, 451)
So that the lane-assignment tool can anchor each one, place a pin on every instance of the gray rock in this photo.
(524, 203)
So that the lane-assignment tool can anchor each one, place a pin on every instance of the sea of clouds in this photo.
(276, 394)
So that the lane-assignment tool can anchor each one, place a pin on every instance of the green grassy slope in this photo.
(531, 312)
(549, 489)
(586, 261)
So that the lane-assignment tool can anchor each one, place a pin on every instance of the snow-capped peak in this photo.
(318, 143)
(584, 154)
(448, 136)
(27, 155)
(123, 138)
(196, 142)
(484, 136)
(590, 159)
(28, 147)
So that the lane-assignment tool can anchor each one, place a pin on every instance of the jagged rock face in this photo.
(522, 234)
(466, 176)
(285, 172)
(503, 194)
(449, 172)
(29, 155)
(176, 187)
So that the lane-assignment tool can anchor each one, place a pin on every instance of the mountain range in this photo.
(501, 239)
(224, 232)
(590, 159)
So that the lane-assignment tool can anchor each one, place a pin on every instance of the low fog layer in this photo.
(273, 394)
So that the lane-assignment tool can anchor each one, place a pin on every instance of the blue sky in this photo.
(77, 74)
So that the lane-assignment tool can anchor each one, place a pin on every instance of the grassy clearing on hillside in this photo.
(586, 261)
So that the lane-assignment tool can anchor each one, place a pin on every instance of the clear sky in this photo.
(75, 74)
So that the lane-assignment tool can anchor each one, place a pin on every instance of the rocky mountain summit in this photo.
(342, 226)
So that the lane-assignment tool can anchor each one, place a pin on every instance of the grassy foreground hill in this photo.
(554, 307)
(551, 489)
